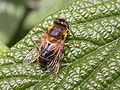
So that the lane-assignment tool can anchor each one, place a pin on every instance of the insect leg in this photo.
(57, 67)
(55, 62)
(52, 64)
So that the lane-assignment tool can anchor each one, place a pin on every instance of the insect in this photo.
(49, 50)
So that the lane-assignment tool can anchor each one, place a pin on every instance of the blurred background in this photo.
(17, 17)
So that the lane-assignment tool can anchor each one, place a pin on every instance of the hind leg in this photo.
(57, 67)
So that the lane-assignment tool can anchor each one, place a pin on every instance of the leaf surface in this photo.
(92, 56)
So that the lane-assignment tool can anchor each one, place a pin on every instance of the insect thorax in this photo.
(57, 32)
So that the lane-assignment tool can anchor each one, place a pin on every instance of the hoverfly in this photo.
(49, 50)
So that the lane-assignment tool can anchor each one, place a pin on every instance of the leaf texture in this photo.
(92, 56)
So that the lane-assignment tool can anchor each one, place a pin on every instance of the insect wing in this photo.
(31, 56)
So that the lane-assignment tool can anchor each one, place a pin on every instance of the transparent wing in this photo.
(31, 56)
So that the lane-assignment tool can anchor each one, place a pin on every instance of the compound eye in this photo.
(56, 21)
(61, 22)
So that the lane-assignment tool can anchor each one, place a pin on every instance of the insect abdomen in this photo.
(46, 58)
(47, 54)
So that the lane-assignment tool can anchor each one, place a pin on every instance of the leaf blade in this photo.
(96, 46)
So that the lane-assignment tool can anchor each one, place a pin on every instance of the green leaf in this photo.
(10, 16)
(3, 48)
(92, 56)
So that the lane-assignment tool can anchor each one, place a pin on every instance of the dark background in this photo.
(17, 17)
